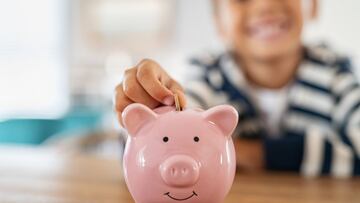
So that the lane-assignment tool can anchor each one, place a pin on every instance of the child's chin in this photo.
(273, 50)
(269, 52)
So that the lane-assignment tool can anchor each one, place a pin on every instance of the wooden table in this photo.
(38, 175)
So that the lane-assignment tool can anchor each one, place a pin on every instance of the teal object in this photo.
(26, 131)
(81, 119)
(35, 131)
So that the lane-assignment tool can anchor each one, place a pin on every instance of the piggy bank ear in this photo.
(224, 116)
(135, 116)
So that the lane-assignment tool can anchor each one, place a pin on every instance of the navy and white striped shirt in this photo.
(320, 128)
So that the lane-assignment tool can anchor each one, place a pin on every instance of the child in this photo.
(299, 106)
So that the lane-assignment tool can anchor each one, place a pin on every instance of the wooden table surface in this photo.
(39, 175)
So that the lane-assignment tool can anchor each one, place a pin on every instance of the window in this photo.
(33, 66)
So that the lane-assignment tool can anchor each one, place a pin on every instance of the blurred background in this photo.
(61, 59)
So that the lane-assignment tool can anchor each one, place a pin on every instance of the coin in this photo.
(177, 103)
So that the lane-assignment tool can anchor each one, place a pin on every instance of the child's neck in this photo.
(273, 74)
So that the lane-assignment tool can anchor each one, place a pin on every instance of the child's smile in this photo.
(261, 29)
(268, 29)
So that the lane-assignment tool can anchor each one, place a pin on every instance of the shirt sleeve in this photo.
(345, 140)
(332, 151)
(198, 93)
(198, 89)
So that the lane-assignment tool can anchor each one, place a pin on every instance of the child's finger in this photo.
(121, 100)
(149, 74)
(133, 90)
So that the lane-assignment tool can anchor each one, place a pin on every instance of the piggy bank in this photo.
(173, 156)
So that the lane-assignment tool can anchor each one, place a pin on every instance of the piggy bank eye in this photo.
(165, 139)
(196, 139)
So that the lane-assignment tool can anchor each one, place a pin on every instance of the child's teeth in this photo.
(268, 30)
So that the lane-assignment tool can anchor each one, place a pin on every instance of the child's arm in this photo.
(334, 151)
(149, 84)
(346, 122)
(340, 147)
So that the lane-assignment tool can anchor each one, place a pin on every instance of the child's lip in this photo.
(268, 28)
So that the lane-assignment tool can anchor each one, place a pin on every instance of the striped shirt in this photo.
(320, 127)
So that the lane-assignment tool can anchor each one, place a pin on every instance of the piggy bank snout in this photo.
(180, 171)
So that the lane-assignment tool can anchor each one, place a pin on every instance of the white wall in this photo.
(33, 65)
(339, 24)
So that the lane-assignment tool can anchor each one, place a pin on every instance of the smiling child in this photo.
(299, 105)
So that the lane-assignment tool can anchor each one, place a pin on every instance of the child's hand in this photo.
(148, 84)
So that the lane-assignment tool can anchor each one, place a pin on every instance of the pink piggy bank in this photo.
(173, 156)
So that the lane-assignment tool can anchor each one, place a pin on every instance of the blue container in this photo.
(35, 131)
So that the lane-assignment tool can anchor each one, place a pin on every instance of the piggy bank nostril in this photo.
(173, 171)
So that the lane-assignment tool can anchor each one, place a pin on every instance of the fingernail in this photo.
(169, 100)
